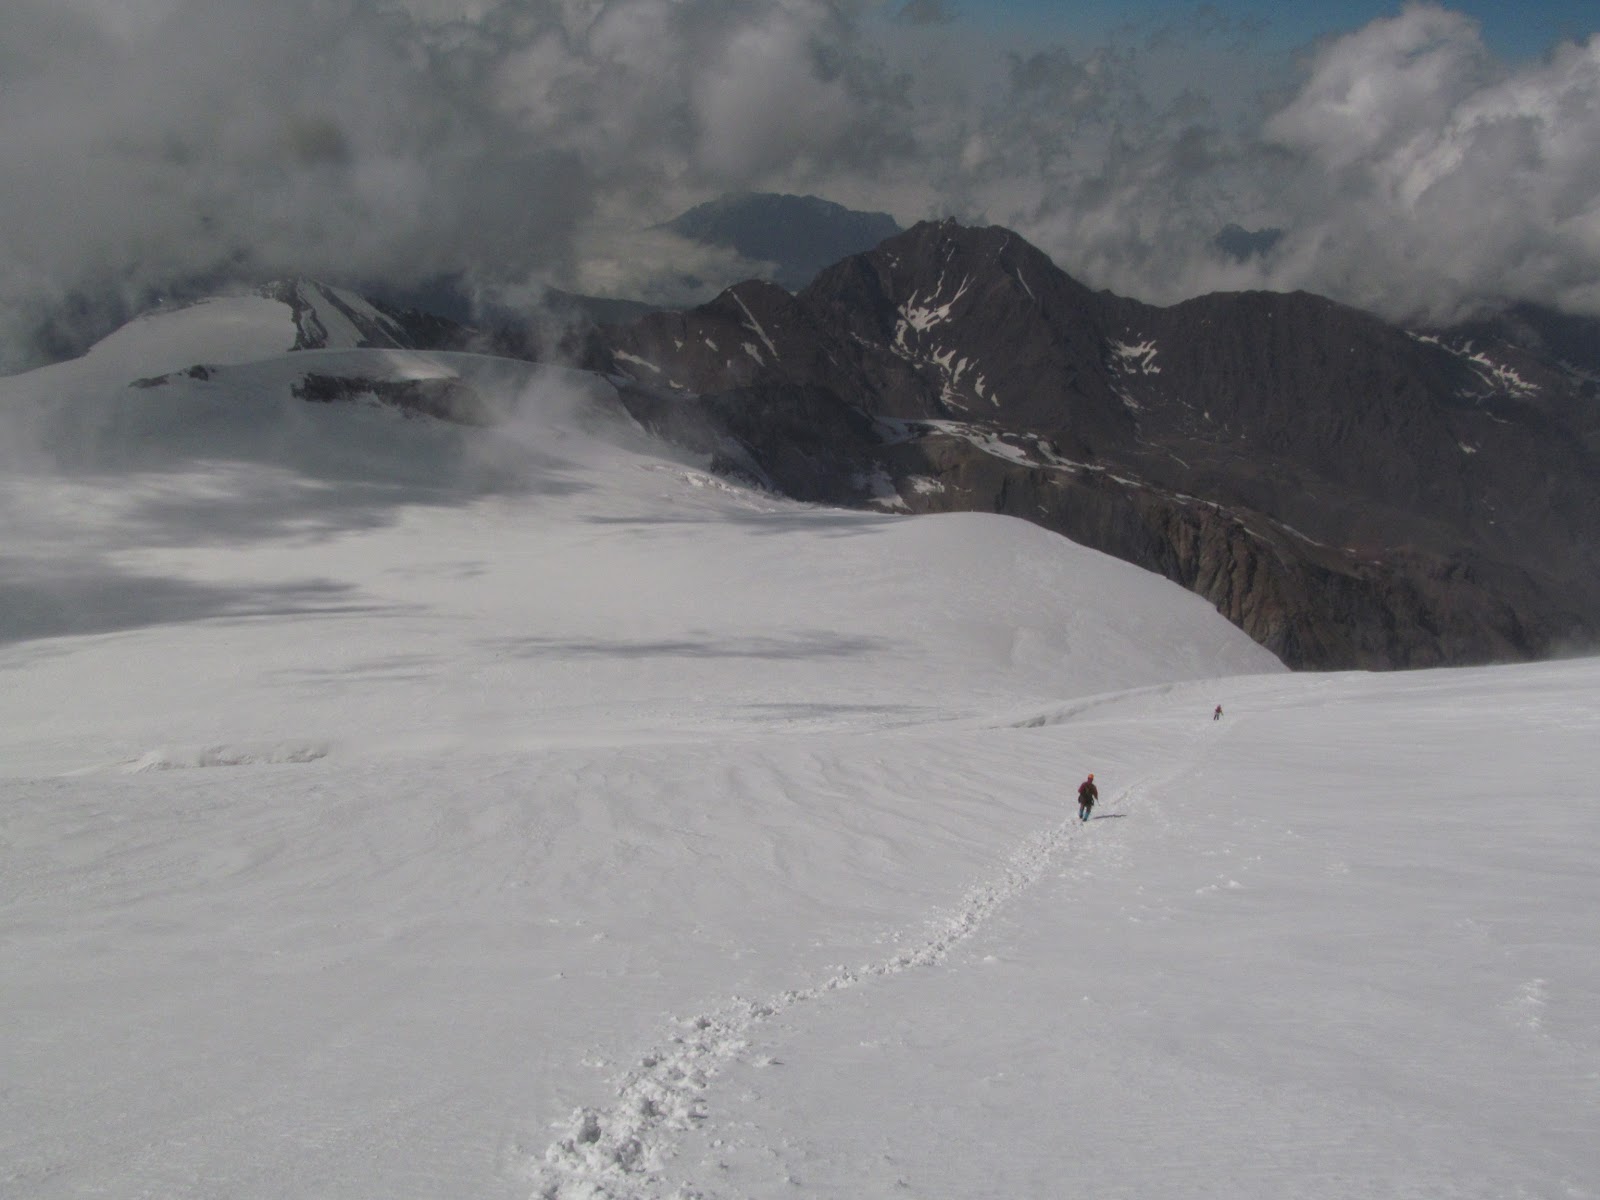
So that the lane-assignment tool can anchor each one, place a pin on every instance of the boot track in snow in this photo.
(618, 1152)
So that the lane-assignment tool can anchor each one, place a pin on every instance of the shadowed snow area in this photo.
(393, 808)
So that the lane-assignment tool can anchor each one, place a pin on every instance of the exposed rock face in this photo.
(1349, 493)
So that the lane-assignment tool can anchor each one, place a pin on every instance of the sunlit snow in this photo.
(393, 809)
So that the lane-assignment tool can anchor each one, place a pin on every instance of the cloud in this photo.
(153, 145)
(1408, 170)
(1434, 178)
(233, 138)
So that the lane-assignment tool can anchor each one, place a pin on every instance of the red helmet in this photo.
(1091, 774)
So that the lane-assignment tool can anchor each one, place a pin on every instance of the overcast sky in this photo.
(1419, 161)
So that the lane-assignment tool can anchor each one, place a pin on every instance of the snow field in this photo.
(397, 810)
(873, 965)
(1286, 969)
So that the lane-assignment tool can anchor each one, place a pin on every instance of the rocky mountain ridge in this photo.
(1350, 493)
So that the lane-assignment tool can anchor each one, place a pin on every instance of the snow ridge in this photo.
(618, 1153)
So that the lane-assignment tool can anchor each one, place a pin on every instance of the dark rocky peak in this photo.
(945, 268)
(992, 326)
(755, 305)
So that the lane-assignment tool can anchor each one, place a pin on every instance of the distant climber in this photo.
(1217, 716)
(1087, 795)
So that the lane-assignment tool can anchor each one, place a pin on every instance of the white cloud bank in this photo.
(1481, 182)
(168, 141)
(1411, 172)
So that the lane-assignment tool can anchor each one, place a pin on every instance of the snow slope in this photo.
(393, 809)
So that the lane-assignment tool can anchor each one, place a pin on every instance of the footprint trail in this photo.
(618, 1152)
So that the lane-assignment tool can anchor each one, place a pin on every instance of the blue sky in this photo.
(1516, 29)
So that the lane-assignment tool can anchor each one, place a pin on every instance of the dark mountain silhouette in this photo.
(1241, 244)
(800, 235)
